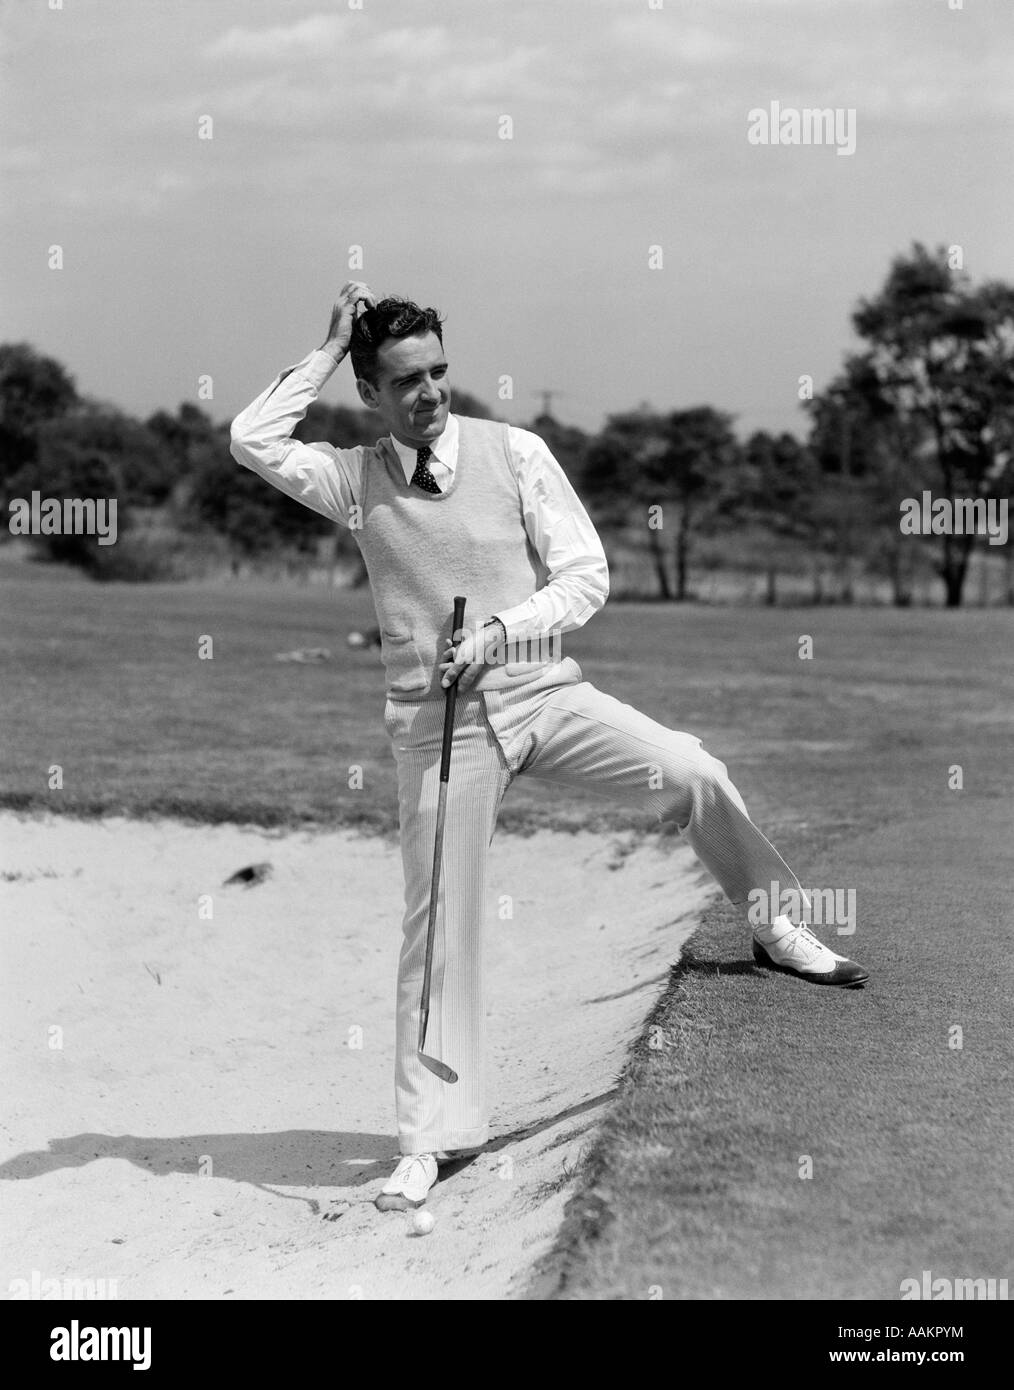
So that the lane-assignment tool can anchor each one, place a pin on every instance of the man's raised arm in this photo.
(318, 475)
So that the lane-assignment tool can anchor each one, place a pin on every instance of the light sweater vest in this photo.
(422, 548)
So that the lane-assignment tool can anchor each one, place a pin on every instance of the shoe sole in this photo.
(395, 1201)
(766, 963)
(828, 980)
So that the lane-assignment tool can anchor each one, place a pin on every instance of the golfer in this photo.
(443, 505)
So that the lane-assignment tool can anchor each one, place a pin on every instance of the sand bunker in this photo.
(203, 1108)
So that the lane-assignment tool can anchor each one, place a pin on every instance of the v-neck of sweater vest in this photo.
(418, 492)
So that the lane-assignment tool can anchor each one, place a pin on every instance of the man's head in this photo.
(397, 355)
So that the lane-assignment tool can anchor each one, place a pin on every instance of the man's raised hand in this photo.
(353, 298)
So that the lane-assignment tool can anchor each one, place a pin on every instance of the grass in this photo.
(844, 760)
(693, 1187)
(106, 682)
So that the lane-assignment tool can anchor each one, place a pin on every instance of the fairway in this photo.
(107, 682)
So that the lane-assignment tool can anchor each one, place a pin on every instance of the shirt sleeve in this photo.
(563, 535)
(318, 475)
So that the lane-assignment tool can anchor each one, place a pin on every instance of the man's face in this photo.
(412, 394)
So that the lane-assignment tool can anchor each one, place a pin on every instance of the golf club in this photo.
(431, 1063)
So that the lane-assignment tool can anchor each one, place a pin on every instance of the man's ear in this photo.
(367, 394)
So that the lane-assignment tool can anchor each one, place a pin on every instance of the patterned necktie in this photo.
(422, 477)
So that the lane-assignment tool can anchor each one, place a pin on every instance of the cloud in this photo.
(308, 37)
(647, 38)
(606, 100)
(85, 189)
(20, 158)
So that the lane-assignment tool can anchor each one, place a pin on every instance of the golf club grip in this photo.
(451, 696)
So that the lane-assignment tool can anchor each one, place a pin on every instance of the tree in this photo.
(464, 403)
(781, 486)
(233, 501)
(618, 469)
(136, 456)
(943, 356)
(33, 390)
(182, 437)
(340, 425)
(1005, 491)
(869, 457)
(687, 465)
(68, 467)
(699, 473)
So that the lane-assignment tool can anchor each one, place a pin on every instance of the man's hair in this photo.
(392, 318)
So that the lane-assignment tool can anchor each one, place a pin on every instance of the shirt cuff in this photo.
(317, 367)
(519, 622)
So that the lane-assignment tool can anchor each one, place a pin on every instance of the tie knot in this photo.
(423, 455)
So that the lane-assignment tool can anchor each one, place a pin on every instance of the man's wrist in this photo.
(317, 368)
(334, 350)
(495, 633)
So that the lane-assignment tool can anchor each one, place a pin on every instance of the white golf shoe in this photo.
(408, 1184)
(798, 952)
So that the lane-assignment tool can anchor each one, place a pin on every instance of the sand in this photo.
(204, 1109)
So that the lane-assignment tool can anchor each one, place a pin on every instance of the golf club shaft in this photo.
(424, 1010)
(450, 701)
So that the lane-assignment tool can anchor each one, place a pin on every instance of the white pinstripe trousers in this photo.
(559, 728)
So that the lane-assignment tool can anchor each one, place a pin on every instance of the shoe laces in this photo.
(802, 943)
(404, 1170)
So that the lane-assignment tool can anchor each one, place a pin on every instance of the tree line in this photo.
(925, 405)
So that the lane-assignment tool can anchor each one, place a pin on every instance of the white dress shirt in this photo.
(330, 481)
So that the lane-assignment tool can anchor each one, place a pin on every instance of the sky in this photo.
(380, 124)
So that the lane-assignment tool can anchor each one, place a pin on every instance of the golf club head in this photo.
(438, 1068)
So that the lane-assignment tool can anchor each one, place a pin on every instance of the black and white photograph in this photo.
(508, 668)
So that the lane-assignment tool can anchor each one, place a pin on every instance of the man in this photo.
(447, 505)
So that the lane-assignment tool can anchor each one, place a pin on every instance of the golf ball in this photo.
(423, 1222)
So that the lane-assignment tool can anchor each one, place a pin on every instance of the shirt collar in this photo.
(444, 450)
